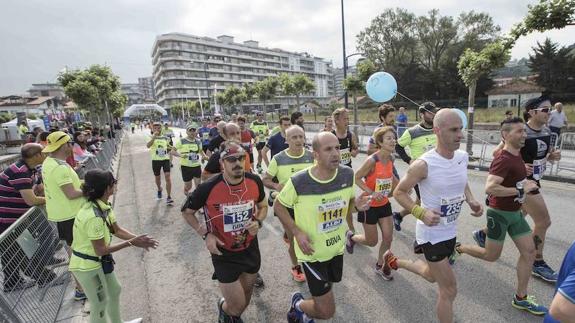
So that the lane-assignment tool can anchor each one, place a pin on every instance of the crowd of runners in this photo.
(312, 192)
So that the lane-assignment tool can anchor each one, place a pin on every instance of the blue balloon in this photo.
(381, 87)
(462, 116)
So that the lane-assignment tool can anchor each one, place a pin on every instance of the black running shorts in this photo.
(373, 214)
(229, 266)
(189, 173)
(260, 145)
(439, 251)
(321, 275)
(158, 165)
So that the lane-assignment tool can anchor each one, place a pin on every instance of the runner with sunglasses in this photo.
(189, 149)
(235, 206)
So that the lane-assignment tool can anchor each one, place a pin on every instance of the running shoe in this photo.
(383, 271)
(259, 281)
(271, 198)
(259, 169)
(297, 274)
(159, 196)
(455, 254)
(544, 272)
(530, 305)
(19, 285)
(294, 315)
(169, 200)
(397, 219)
(389, 260)
(79, 295)
(349, 243)
(222, 316)
(479, 237)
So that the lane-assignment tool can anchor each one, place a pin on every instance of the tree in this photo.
(287, 86)
(303, 85)
(553, 65)
(365, 68)
(354, 86)
(266, 90)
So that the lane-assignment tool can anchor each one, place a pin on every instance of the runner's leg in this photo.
(536, 207)
(168, 183)
(447, 284)
(158, 182)
(319, 307)
(386, 227)
(417, 267)
(291, 249)
(526, 249)
(369, 238)
(235, 295)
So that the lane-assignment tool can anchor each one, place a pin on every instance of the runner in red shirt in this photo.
(234, 204)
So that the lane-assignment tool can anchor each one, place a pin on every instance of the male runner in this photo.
(280, 169)
(261, 129)
(442, 177)
(420, 139)
(277, 142)
(537, 151)
(204, 133)
(506, 186)
(563, 305)
(247, 137)
(191, 153)
(321, 196)
(231, 132)
(386, 114)
(347, 141)
(214, 131)
(167, 132)
(216, 141)
(160, 150)
(235, 207)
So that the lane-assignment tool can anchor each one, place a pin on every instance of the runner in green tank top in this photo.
(190, 151)
(160, 148)
(262, 131)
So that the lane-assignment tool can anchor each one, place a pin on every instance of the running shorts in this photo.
(158, 165)
(499, 223)
(65, 229)
(373, 214)
(439, 251)
(321, 275)
(188, 173)
(230, 265)
(260, 145)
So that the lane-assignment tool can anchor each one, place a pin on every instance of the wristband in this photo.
(417, 212)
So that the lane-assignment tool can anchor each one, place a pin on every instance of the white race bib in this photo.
(193, 157)
(450, 208)
(161, 152)
(330, 215)
(236, 217)
(539, 168)
(383, 185)
(345, 156)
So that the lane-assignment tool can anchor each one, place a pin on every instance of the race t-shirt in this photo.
(320, 209)
(228, 208)
(565, 280)
(55, 174)
(419, 140)
(189, 151)
(261, 130)
(512, 169)
(283, 165)
(247, 136)
(537, 146)
(380, 180)
(276, 144)
(160, 148)
(88, 226)
(204, 133)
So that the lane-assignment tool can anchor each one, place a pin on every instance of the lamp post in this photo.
(355, 121)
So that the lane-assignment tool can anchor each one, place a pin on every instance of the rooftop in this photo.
(517, 86)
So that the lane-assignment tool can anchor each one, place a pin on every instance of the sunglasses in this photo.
(546, 110)
(233, 159)
(192, 129)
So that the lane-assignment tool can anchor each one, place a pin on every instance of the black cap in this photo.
(427, 107)
(535, 102)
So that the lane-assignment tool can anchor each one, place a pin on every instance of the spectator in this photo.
(62, 187)
(508, 115)
(328, 124)
(401, 121)
(91, 262)
(80, 149)
(557, 119)
(23, 130)
(16, 197)
(34, 134)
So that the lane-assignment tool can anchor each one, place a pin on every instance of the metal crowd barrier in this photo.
(34, 261)
(567, 146)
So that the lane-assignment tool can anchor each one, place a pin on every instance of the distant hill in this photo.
(514, 69)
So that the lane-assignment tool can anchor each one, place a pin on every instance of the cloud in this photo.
(41, 37)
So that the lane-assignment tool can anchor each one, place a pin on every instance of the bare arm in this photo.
(262, 211)
(122, 232)
(269, 183)
(362, 172)
(31, 199)
(190, 217)
(151, 142)
(265, 155)
(562, 309)
(415, 173)
(354, 145)
(498, 149)
(70, 192)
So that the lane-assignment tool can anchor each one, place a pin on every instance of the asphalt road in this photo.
(173, 283)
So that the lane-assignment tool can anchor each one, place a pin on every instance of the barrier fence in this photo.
(34, 261)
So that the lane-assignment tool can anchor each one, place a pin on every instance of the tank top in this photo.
(380, 179)
(443, 191)
(537, 146)
(344, 148)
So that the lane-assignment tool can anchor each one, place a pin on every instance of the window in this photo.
(513, 102)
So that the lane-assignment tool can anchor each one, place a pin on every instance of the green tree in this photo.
(266, 90)
(303, 85)
(354, 86)
(365, 68)
(287, 86)
(553, 65)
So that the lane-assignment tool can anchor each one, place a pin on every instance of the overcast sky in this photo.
(38, 38)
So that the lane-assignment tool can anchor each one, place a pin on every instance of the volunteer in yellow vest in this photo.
(321, 196)
(420, 139)
(62, 189)
(160, 150)
(191, 153)
(262, 131)
(375, 177)
(91, 262)
(280, 169)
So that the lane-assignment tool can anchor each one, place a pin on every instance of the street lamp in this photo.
(346, 95)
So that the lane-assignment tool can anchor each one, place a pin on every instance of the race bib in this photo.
(161, 152)
(345, 155)
(236, 217)
(205, 136)
(383, 185)
(261, 136)
(193, 157)
(539, 168)
(330, 215)
(450, 208)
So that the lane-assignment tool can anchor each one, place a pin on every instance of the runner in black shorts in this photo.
(235, 207)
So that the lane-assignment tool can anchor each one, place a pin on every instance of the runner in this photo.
(215, 130)
(235, 207)
(506, 186)
(231, 132)
(386, 114)
(347, 141)
(420, 139)
(563, 306)
(160, 150)
(375, 177)
(261, 129)
(321, 197)
(277, 142)
(442, 177)
(328, 124)
(280, 169)
(190, 151)
(133, 126)
(167, 132)
(204, 133)
(296, 118)
(537, 151)
(247, 137)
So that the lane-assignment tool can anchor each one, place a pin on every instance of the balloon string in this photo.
(466, 130)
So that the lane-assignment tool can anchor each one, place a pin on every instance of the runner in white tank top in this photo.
(442, 177)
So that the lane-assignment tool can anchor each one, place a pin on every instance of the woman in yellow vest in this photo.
(91, 261)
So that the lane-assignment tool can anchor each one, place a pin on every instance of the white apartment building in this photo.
(186, 67)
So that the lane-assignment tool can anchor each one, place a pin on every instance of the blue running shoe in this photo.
(530, 305)
(349, 243)
(479, 237)
(159, 196)
(294, 315)
(544, 272)
(79, 295)
(397, 219)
